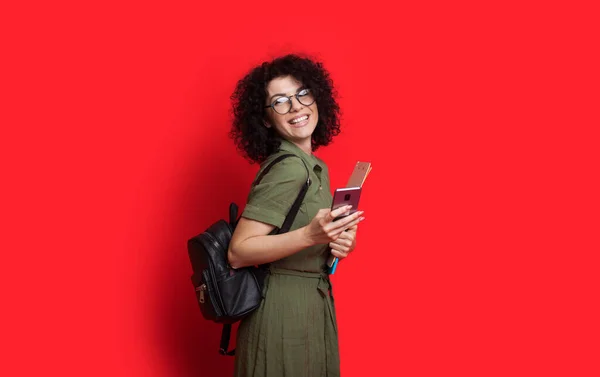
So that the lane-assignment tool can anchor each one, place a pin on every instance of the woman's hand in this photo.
(323, 230)
(345, 243)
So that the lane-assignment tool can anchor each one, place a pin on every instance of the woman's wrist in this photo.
(306, 237)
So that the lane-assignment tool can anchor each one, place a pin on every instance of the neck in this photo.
(305, 145)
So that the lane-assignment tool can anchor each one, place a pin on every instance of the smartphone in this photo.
(346, 196)
(343, 197)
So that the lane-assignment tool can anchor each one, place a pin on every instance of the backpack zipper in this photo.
(201, 289)
(210, 271)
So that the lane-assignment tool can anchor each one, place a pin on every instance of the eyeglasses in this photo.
(283, 105)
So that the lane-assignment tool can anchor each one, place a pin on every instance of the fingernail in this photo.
(361, 219)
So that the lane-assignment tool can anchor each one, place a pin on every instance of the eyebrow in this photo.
(283, 94)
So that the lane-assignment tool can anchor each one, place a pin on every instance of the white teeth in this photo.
(298, 120)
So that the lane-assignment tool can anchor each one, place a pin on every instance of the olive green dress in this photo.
(293, 332)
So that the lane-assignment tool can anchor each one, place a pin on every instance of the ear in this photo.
(267, 124)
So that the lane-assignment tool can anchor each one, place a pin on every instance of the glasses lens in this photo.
(306, 97)
(282, 105)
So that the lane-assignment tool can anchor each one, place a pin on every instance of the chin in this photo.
(305, 131)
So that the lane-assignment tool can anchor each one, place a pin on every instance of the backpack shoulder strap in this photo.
(274, 162)
(225, 335)
(289, 219)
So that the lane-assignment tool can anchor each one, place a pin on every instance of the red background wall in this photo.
(478, 254)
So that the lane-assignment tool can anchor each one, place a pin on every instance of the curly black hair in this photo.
(255, 141)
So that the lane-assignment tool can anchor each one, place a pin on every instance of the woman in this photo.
(287, 106)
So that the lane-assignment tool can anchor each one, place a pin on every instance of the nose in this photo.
(296, 105)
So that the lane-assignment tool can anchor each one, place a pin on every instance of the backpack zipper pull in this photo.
(201, 289)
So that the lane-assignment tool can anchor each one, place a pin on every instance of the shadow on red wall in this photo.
(188, 341)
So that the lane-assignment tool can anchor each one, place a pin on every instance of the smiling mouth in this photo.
(299, 119)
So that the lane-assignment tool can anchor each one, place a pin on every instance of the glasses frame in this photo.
(272, 105)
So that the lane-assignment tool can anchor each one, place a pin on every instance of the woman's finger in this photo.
(347, 235)
(337, 232)
(339, 246)
(353, 228)
(337, 212)
(345, 222)
(344, 240)
(338, 254)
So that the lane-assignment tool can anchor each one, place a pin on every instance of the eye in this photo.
(280, 100)
(303, 92)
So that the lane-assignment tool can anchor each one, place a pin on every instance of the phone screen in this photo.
(346, 196)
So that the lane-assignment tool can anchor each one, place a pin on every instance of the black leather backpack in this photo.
(226, 295)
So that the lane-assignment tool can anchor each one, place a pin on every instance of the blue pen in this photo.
(333, 266)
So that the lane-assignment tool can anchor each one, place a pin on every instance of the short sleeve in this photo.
(271, 199)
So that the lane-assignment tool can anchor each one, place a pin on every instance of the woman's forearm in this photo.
(257, 250)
